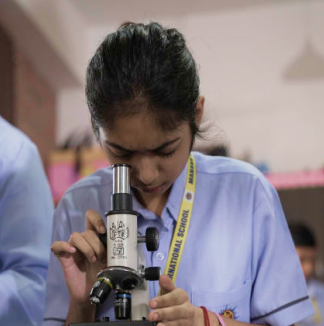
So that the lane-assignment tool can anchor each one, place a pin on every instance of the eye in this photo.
(166, 154)
(120, 154)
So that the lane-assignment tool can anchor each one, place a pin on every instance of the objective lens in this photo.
(123, 305)
(100, 291)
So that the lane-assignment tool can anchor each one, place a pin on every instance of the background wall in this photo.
(243, 48)
(26, 99)
(35, 107)
(243, 54)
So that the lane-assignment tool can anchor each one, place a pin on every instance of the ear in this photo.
(99, 137)
(199, 110)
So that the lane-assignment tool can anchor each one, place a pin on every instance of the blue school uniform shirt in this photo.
(26, 216)
(239, 258)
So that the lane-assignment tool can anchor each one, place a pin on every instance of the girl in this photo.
(238, 260)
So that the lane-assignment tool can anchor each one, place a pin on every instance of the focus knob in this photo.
(152, 239)
(152, 273)
(103, 239)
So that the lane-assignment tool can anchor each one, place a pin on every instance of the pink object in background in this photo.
(303, 179)
(61, 176)
(62, 170)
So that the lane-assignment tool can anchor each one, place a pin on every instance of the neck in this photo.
(154, 204)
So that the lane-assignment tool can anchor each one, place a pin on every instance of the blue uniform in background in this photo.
(26, 215)
(316, 293)
(239, 258)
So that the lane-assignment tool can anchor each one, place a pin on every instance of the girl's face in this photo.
(157, 157)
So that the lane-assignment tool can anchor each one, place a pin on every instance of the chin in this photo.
(152, 192)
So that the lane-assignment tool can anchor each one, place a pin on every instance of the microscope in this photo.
(124, 272)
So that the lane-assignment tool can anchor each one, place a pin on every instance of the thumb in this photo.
(166, 284)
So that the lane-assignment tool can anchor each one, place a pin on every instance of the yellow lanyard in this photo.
(181, 229)
(317, 317)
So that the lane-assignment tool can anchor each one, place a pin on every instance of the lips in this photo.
(152, 190)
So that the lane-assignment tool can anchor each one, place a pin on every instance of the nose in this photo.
(146, 170)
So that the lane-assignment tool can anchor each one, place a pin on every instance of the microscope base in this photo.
(118, 323)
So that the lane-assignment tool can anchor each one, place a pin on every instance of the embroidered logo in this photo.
(229, 313)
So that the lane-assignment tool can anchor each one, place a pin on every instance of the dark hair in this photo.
(143, 67)
(302, 235)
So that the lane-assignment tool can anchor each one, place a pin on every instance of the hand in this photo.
(173, 307)
(82, 258)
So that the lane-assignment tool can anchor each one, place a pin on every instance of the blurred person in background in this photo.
(306, 247)
(26, 216)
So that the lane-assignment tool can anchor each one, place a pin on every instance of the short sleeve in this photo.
(57, 296)
(26, 215)
(69, 217)
(279, 295)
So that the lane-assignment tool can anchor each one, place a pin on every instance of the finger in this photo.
(92, 238)
(174, 298)
(166, 284)
(172, 313)
(60, 248)
(78, 241)
(95, 222)
(178, 322)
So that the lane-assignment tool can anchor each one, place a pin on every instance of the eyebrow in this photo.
(167, 143)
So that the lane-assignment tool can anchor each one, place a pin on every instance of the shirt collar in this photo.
(176, 194)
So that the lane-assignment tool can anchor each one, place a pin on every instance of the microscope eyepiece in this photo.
(121, 199)
(121, 181)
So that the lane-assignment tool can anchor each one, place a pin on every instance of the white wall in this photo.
(242, 56)
(242, 62)
(63, 27)
(72, 115)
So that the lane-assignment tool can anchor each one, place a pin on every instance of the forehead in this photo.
(140, 132)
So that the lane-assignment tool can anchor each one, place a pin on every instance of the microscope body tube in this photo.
(122, 222)
(122, 240)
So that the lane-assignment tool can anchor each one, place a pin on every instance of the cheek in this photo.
(105, 150)
(173, 168)
(169, 173)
